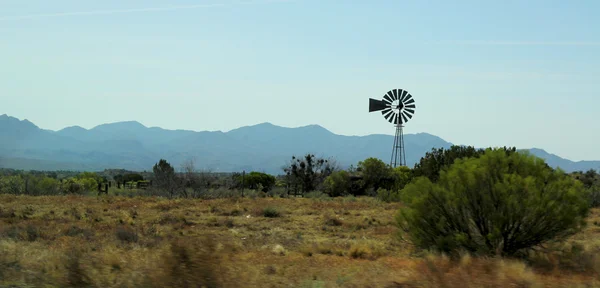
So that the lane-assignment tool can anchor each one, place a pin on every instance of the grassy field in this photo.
(108, 241)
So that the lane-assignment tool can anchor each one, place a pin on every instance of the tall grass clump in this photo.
(271, 212)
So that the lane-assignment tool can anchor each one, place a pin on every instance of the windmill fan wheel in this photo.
(397, 106)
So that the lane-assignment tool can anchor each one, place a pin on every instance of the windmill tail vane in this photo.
(397, 107)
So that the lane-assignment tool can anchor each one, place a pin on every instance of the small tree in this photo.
(337, 184)
(401, 176)
(90, 175)
(255, 179)
(498, 203)
(132, 177)
(165, 177)
(374, 173)
(305, 175)
(594, 195)
(590, 178)
(12, 185)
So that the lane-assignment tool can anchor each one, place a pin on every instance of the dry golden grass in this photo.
(70, 241)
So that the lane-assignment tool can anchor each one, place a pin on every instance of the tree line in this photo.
(494, 201)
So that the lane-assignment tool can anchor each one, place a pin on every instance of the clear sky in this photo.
(483, 73)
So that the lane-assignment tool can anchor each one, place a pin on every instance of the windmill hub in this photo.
(397, 107)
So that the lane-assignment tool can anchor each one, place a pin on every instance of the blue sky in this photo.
(483, 73)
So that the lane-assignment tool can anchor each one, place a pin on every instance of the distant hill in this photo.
(263, 147)
(565, 164)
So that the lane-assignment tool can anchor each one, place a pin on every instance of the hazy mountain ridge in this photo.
(263, 147)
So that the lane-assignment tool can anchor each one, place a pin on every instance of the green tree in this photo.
(165, 178)
(590, 178)
(132, 177)
(500, 203)
(12, 185)
(88, 184)
(91, 175)
(41, 185)
(437, 159)
(72, 186)
(594, 195)
(49, 186)
(337, 184)
(254, 180)
(374, 173)
(401, 176)
(308, 173)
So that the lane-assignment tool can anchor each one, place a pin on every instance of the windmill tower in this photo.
(397, 107)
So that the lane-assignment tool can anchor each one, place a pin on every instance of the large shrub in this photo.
(337, 184)
(594, 195)
(500, 203)
(374, 173)
(12, 185)
(255, 180)
(438, 159)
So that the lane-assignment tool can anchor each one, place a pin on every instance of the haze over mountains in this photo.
(263, 147)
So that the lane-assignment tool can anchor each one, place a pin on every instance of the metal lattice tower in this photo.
(397, 106)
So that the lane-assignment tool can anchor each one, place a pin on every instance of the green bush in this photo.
(500, 203)
(271, 212)
(388, 196)
(12, 185)
(594, 196)
(316, 195)
(337, 184)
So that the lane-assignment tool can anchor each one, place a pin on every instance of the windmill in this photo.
(397, 107)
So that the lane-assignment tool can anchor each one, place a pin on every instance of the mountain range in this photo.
(263, 147)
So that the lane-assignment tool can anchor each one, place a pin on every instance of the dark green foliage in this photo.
(591, 181)
(594, 195)
(590, 178)
(374, 173)
(271, 212)
(500, 203)
(130, 177)
(255, 180)
(391, 192)
(165, 178)
(437, 159)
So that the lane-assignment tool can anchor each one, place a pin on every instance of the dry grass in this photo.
(70, 241)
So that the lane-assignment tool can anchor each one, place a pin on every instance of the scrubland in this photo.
(117, 241)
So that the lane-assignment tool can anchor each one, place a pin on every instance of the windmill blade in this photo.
(407, 98)
(387, 99)
(409, 101)
(390, 95)
(395, 93)
(404, 117)
(410, 106)
(404, 92)
(385, 111)
(411, 111)
(391, 119)
(387, 116)
(376, 105)
(407, 115)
